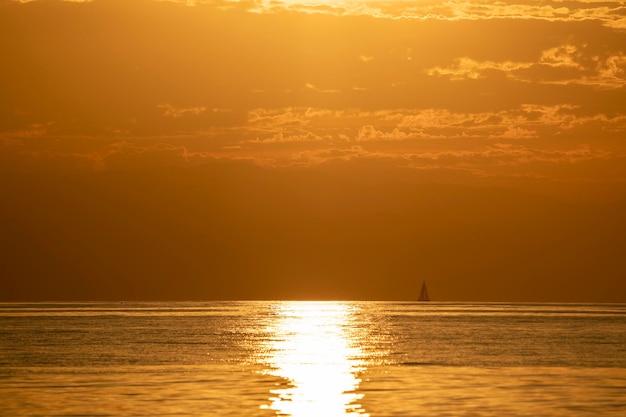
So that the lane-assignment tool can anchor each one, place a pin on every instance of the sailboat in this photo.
(423, 293)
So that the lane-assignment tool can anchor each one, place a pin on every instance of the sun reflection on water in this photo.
(314, 347)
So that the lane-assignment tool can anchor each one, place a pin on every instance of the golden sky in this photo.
(313, 149)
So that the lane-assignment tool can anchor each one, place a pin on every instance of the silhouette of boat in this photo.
(423, 293)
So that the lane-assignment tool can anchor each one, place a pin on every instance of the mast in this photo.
(424, 293)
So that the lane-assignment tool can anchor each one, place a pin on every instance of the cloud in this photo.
(515, 132)
(467, 68)
(522, 122)
(564, 64)
(263, 119)
(66, 1)
(499, 159)
(282, 138)
(276, 126)
(500, 154)
(327, 155)
(369, 133)
(527, 121)
(151, 84)
(176, 112)
(312, 87)
(608, 74)
(610, 14)
(34, 130)
(99, 155)
(505, 160)
(561, 56)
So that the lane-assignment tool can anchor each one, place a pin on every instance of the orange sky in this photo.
(313, 149)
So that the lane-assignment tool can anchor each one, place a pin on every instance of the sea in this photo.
(303, 358)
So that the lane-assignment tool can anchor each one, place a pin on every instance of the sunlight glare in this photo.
(313, 350)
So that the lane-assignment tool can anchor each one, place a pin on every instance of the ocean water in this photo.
(312, 359)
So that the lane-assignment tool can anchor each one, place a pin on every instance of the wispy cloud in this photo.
(487, 160)
(34, 130)
(610, 13)
(66, 1)
(282, 138)
(306, 124)
(563, 64)
(562, 56)
(176, 112)
(503, 155)
(467, 68)
(312, 87)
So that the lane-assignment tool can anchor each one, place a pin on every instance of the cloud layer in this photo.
(486, 88)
